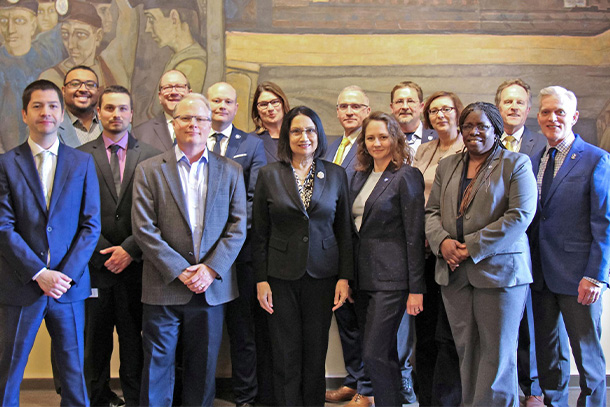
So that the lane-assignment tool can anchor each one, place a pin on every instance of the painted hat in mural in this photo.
(84, 12)
(31, 5)
(164, 4)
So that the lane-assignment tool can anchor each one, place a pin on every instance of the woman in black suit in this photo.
(387, 201)
(302, 255)
(269, 105)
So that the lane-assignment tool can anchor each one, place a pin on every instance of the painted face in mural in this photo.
(115, 113)
(160, 27)
(17, 26)
(81, 40)
(441, 120)
(47, 16)
(223, 101)
(80, 99)
(407, 108)
(270, 109)
(172, 89)
(514, 108)
(43, 114)
(478, 133)
(103, 10)
(352, 109)
(556, 118)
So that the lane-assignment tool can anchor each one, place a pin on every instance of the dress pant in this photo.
(199, 326)
(19, 326)
(406, 335)
(380, 313)
(299, 325)
(560, 318)
(349, 334)
(120, 306)
(485, 326)
(526, 352)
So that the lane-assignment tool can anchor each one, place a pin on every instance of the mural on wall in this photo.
(312, 49)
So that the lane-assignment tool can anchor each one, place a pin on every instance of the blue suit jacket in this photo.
(69, 229)
(349, 162)
(570, 235)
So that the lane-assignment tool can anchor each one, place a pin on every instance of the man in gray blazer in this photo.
(189, 219)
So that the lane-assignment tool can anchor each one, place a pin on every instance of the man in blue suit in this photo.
(49, 226)
(514, 101)
(570, 240)
(243, 324)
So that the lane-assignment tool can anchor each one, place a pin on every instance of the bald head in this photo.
(352, 109)
(173, 86)
(223, 104)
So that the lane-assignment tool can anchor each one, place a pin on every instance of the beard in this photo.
(80, 111)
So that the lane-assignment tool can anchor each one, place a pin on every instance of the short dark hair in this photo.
(82, 68)
(40, 84)
(407, 84)
(115, 89)
(401, 152)
(511, 82)
(277, 91)
(284, 153)
(457, 103)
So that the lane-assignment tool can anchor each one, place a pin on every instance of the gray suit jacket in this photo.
(155, 133)
(66, 132)
(531, 142)
(494, 223)
(161, 229)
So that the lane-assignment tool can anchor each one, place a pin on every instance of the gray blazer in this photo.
(494, 223)
(66, 132)
(155, 133)
(161, 229)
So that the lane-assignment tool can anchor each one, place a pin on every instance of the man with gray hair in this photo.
(570, 241)
(189, 219)
(407, 104)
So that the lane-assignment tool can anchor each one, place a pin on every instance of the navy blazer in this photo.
(289, 240)
(349, 162)
(389, 248)
(570, 234)
(68, 230)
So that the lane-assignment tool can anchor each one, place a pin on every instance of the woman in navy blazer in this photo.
(387, 201)
(302, 252)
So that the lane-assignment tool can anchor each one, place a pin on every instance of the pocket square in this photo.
(240, 155)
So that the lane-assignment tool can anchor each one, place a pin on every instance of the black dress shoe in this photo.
(116, 401)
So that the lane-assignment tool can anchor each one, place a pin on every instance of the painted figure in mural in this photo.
(47, 15)
(248, 151)
(352, 109)
(514, 100)
(570, 240)
(81, 32)
(159, 131)
(176, 25)
(189, 246)
(22, 58)
(116, 264)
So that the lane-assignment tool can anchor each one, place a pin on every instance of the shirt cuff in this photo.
(37, 274)
(594, 281)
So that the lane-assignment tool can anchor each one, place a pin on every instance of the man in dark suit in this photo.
(570, 239)
(407, 104)
(116, 268)
(159, 131)
(514, 101)
(49, 226)
(352, 109)
(189, 218)
(248, 151)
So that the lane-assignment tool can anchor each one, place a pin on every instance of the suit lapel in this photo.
(452, 188)
(351, 154)
(25, 162)
(66, 132)
(215, 175)
(357, 182)
(64, 159)
(385, 180)
(170, 172)
(318, 184)
(162, 132)
(101, 159)
(234, 142)
(481, 180)
(573, 157)
(131, 160)
(290, 185)
(527, 142)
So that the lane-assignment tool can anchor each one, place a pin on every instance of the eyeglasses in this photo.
(356, 107)
(76, 84)
(444, 109)
(187, 119)
(310, 131)
(265, 105)
(409, 102)
(483, 128)
(179, 88)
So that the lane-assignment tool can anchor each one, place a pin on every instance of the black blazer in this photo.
(289, 241)
(389, 248)
(116, 211)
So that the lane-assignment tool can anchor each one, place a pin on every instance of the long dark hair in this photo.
(284, 153)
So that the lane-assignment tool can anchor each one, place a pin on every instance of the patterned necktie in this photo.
(218, 137)
(115, 167)
(339, 156)
(510, 143)
(44, 171)
(547, 177)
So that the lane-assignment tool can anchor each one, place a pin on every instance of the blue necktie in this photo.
(547, 177)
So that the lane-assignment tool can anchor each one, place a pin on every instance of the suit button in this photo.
(191, 254)
(467, 217)
(42, 253)
(118, 217)
(305, 239)
(49, 229)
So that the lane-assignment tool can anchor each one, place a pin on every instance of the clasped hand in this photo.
(454, 252)
(198, 277)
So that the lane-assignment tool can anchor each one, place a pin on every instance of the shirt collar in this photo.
(226, 132)
(419, 131)
(36, 149)
(74, 119)
(121, 143)
(564, 145)
(352, 137)
(168, 118)
(517, 135)
(180, 156)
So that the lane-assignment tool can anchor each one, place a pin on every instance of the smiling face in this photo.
(17, 26)
(478, 133)
(556, 117)
(47, 15)
(514, 107)
(272, 110)
(115, 114)
(303, 137)
(191, 134)
(43, 115)
(173, 88)
(378, 142)
(352, 109)
(443, 122)
(407, 108)
(222, 97)
(80, 100)
(81, 40)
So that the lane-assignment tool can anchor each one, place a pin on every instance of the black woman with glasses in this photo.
(269, 105)
(302, 250)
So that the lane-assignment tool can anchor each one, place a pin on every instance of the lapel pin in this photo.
(237, 136)
(573, 156)
(320, 175)
(385, 180)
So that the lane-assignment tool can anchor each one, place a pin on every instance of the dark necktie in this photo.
(410, 138)
(115, 167)
(218, 137)
(547, 177)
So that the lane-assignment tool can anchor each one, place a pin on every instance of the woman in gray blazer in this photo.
(387, 201)
(480, 206)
